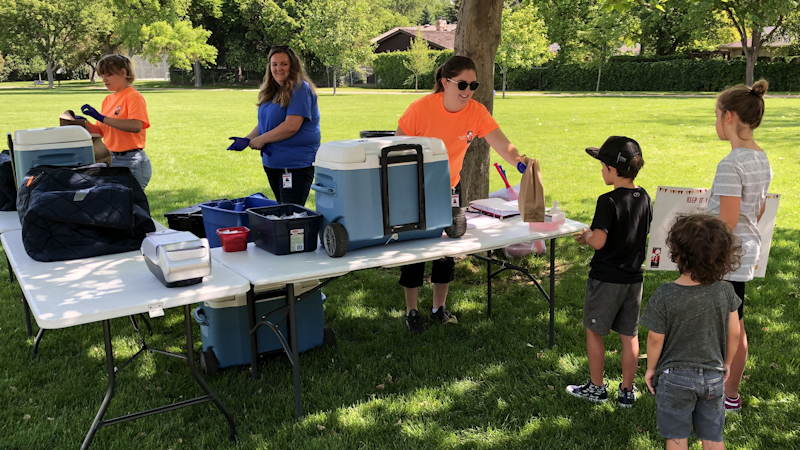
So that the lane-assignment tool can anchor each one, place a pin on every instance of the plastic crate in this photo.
(189, 218)
(234, 239)
(230, 213)
(285, 235)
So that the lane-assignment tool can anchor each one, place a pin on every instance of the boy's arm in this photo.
(655, 343)
(734, 330)
(593, 238)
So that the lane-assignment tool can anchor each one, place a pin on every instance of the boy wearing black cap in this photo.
(618, 235)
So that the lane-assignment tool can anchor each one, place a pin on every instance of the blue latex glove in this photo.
(239, 143)
(521, 167)
(93, 113)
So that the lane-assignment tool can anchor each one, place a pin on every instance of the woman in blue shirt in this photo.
(288, 127)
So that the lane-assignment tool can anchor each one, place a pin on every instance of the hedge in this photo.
(391, 73)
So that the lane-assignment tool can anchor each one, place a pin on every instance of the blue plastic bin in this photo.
(230, 213)
(224, 324)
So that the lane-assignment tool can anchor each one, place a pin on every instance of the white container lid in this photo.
(241, 300)
(365, 153)
(72, 135)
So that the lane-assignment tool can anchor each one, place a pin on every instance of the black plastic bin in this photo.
(375, 134)
(284, 236)
(189, 218)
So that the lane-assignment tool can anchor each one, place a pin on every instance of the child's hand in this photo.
(583, 236)
(93, 113)
(648, 379)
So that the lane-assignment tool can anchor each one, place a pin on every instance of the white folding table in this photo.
(9, 220)
(484, 234)
(98, 289)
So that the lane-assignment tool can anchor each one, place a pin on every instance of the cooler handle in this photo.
(199, 315)
(323, 189)
(385, 161)
(44, 160)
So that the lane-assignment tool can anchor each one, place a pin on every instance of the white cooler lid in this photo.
(241, 300)
(364, 153)
(67, 136)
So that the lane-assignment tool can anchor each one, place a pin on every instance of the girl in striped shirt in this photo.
(738, 196)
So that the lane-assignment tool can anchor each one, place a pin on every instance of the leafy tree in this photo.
(672, 25)
(564, 19)
(523, 40)
(184, 45)
(4, 69)
(603, 34)
(338, 33)
(420, 60)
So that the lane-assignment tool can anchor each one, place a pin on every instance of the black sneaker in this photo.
(414, 322)
(626, 397)
(589, 391)
(443, 316)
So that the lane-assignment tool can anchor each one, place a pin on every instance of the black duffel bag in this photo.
(78, 212)
(8, 192)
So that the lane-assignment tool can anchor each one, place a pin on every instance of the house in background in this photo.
(776, 47)
(145, 70)
(440, 36)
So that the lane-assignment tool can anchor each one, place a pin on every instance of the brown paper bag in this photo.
(101, 153)
(531, 193)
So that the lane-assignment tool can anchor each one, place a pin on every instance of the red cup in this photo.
(234, 239)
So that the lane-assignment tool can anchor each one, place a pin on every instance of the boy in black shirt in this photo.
(614, 289)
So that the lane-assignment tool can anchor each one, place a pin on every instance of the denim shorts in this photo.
(137, 162)
(690, 399)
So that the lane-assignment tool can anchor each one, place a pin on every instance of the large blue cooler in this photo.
(224, 325)
(230, 213)
(378, 190)
(58, 146)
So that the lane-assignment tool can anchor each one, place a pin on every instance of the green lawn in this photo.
(481, 384)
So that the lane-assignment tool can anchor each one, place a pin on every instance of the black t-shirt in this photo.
(624, 214)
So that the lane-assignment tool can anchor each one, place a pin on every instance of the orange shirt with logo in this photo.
(125, 104)
(427, 117)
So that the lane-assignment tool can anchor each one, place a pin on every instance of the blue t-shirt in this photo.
(300, 149)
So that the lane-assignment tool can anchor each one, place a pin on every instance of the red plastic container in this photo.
(234, 239)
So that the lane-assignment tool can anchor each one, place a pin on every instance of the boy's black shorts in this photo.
(612, 306)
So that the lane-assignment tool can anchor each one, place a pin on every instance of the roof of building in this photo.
(442, 35)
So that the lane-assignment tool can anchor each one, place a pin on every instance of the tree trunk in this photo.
(198, 74)
(599, 74)
(334, 81)
(477, 37)
(505, 71)
(416, 82)
(92, 73)
(50, 69)
(751, 54)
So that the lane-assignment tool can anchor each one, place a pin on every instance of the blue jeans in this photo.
(690, 398)
(137, 162)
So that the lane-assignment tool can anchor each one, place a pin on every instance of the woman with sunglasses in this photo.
(288, 127)
(450, 114)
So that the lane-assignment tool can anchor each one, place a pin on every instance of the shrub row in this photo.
(390, 71)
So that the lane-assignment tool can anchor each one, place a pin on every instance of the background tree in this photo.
(477, 37)
(564, 19)
(603, 34)
(670, 26)
(524, 40)
(184, 44)
(420, 60)
(338, 33)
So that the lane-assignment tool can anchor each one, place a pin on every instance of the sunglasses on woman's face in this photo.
(463, 85)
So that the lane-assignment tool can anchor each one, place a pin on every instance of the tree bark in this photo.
(477, 37)
(334, 81)
(198, 74)
(751, 54)
(50, 69)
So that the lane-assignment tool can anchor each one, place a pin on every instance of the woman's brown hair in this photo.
(114, 65)
(271, 91)
(703, 247)
(746, 101)
(451, 68)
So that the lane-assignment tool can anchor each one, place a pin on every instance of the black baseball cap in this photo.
(616, 151)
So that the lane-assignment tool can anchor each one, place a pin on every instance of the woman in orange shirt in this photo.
(450, 114)
(122, 119)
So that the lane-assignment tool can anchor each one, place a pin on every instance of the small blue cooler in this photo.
(224, 324)
(58, 146)
(230, 213)
(369, 191)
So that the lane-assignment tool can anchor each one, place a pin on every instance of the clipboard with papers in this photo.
(495, 207)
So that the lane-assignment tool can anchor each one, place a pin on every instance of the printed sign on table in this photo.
(673, 201)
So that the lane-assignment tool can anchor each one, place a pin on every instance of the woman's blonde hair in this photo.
(271, 91)
(115, 64)
(746, 101)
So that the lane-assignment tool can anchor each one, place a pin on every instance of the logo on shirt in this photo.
(469, 137)
(117, 110)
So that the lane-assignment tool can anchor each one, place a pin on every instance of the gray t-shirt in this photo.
(743, 173)
(694, 320)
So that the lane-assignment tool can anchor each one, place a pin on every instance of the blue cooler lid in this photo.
(364, 153)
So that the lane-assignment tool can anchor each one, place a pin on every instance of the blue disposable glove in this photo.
(93, 113)
(239, 143)
(521, 167)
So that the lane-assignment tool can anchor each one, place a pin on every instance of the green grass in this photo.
(486, 383)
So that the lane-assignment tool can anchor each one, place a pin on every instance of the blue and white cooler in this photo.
(224, 325)
(57, 146)
(374, 191)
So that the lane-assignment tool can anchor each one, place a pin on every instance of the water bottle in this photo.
(555, 216)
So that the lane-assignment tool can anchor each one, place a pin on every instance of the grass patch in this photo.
(486, 383)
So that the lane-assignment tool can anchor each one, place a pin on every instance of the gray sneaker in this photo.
(443, 316)
(414, 322)
(589, 391)
(626, 397)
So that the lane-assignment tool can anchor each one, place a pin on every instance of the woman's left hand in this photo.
(257, 143)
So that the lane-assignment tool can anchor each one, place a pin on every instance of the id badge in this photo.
(287, 180)
(455, 199)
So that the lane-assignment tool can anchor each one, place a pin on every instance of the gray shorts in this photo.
(612, 306)
(690, 399)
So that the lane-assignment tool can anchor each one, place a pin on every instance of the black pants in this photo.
(442, 271)
(301, 184)
(738, 287)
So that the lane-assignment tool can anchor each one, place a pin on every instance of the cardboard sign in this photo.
(673, 201)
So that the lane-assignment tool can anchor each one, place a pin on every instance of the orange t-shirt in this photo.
(125, 104)
(427, 117)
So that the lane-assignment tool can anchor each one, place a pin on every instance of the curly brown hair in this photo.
(703, 247)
